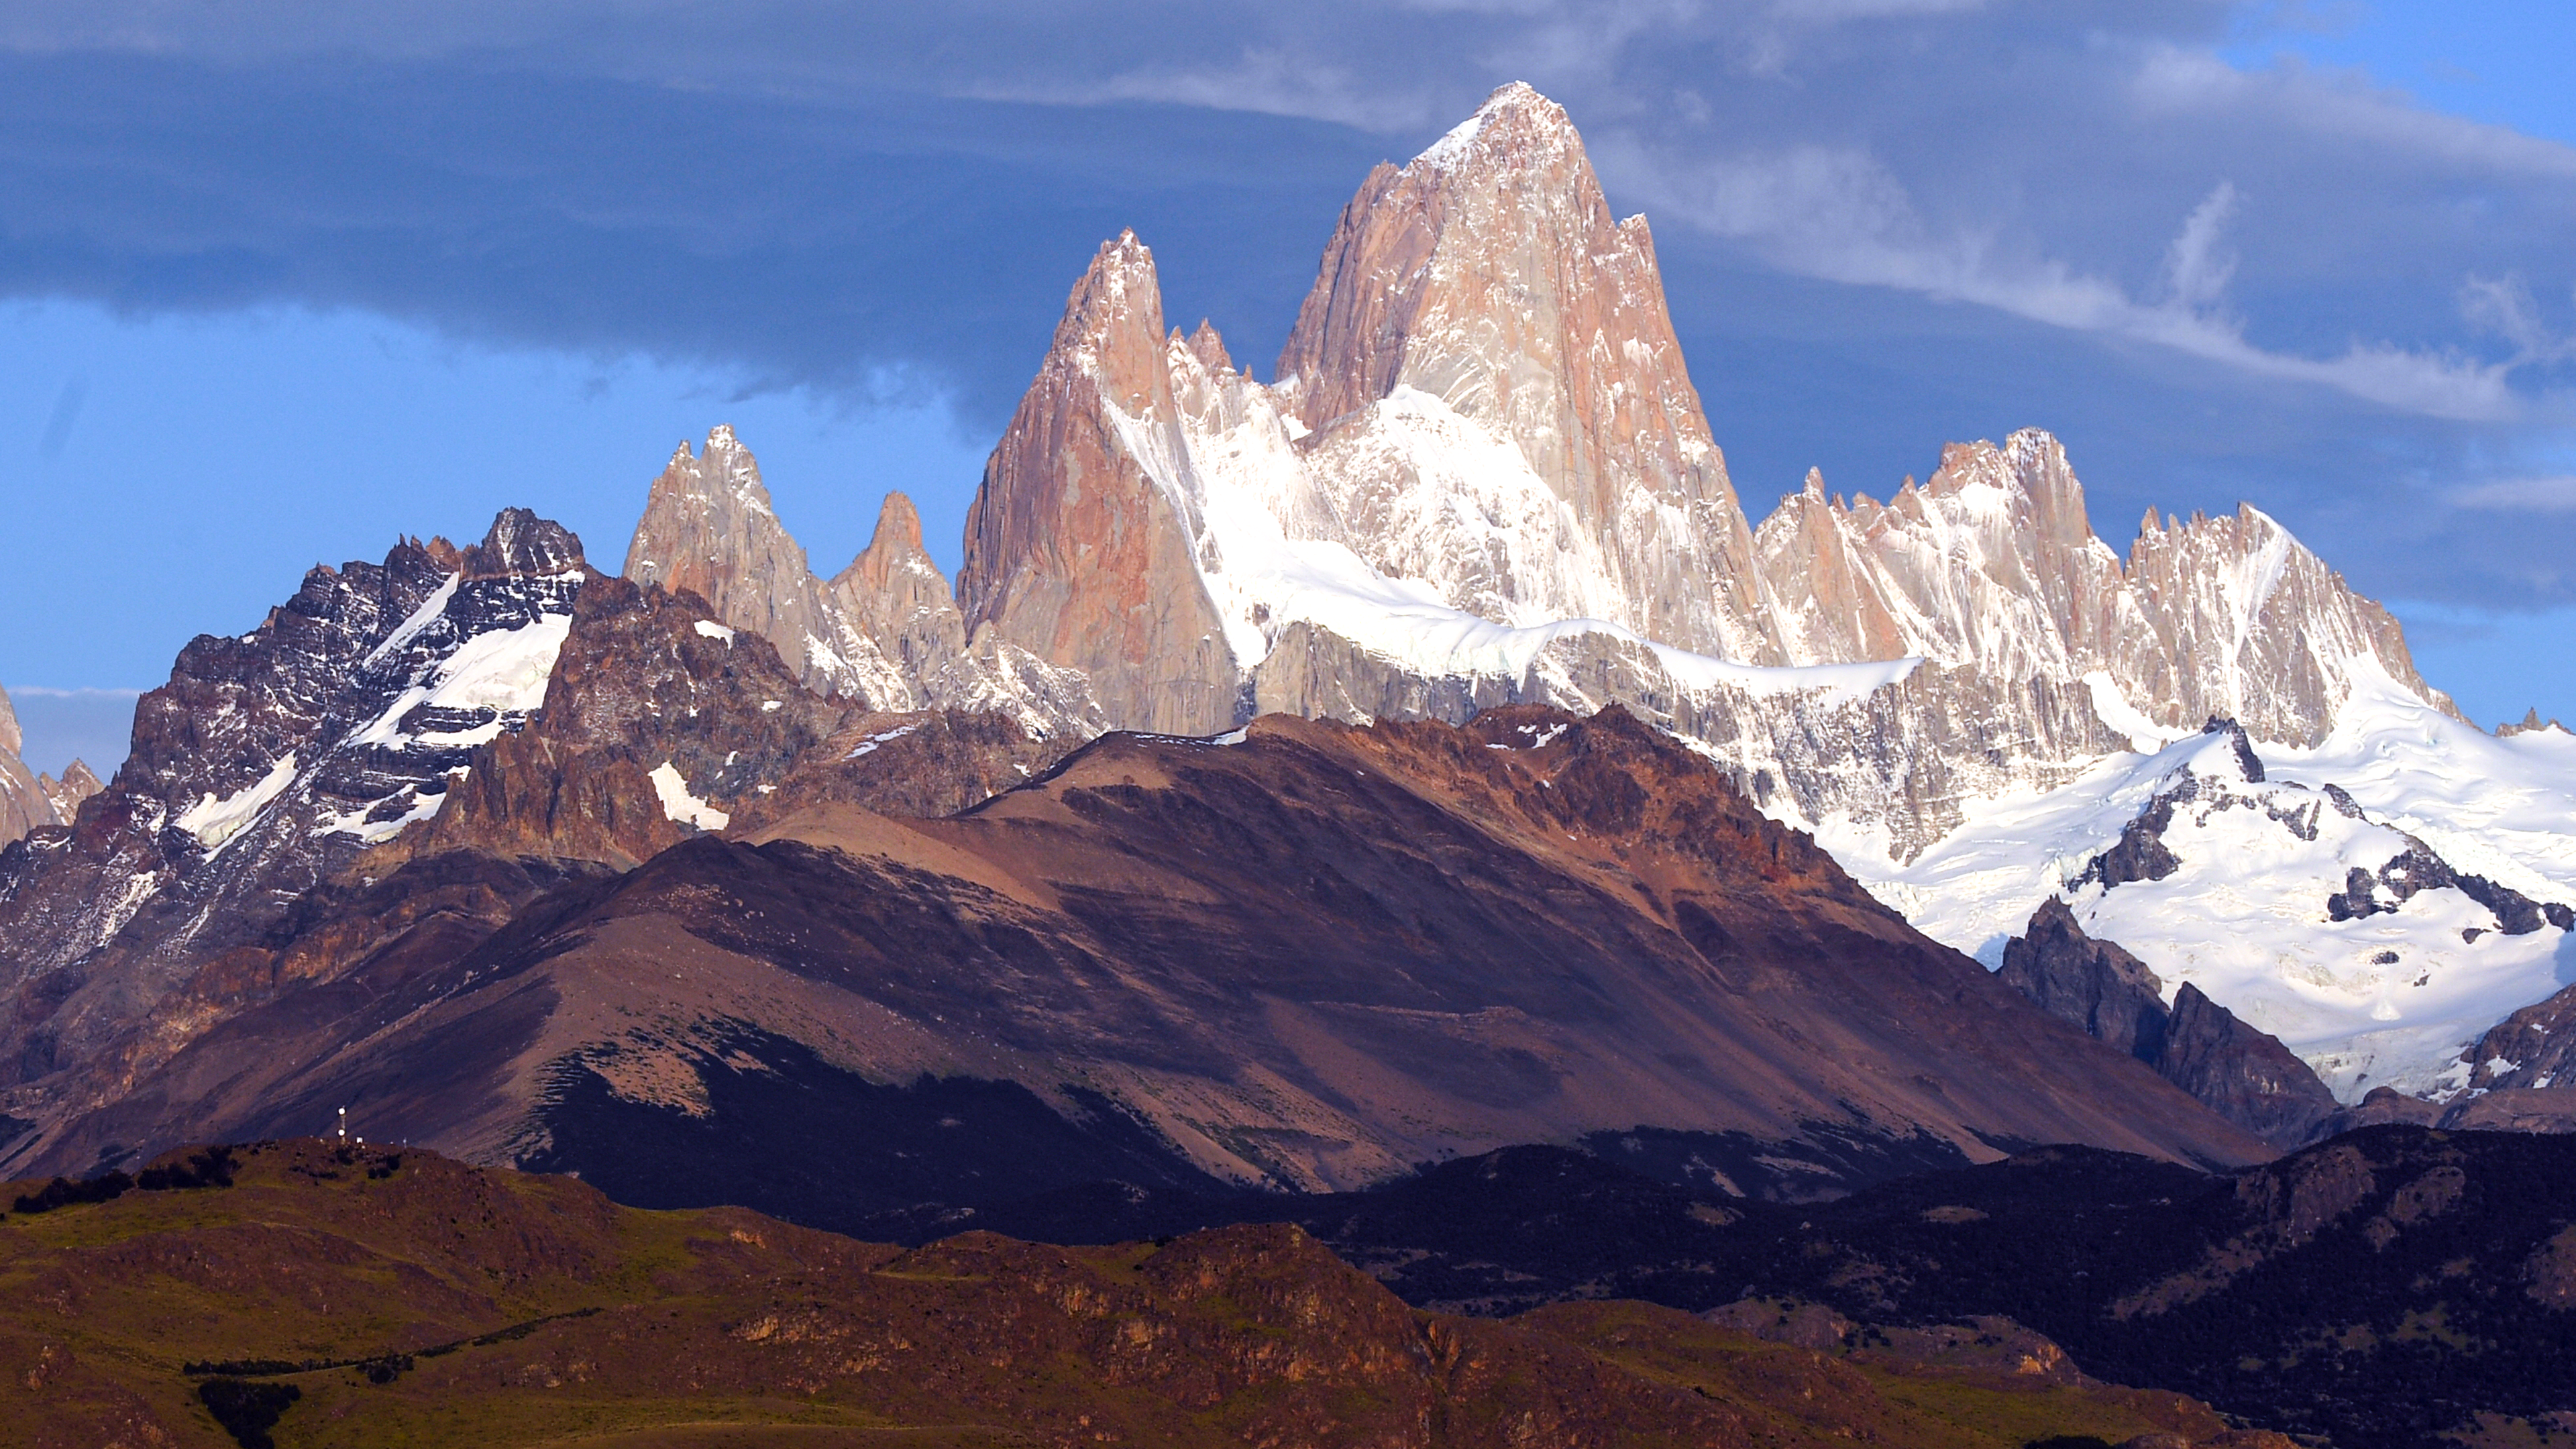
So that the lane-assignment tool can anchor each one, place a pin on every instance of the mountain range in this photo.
(27, 799)
(1420, 752)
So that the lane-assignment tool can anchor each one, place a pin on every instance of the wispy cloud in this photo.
(38, 691)
(2533, 495)
(1840, 215)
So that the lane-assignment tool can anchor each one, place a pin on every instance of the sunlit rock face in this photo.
(1483, 476)
(1483, 293)
(29, 800)
(708, 528)
(1080, 546)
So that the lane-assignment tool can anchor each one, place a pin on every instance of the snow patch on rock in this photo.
(678, 804)
(215, 820)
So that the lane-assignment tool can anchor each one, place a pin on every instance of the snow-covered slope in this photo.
(266, 766)
(2249, 891)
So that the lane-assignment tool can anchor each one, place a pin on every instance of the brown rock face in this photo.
(709, 529)
(1081, 545)
(927, 765)
(2533, 1049)
(67, 793)
(1489, 275)
(1312, 958)
(884, 635)
(646, 681)
(896, 596)
(2244, 1075)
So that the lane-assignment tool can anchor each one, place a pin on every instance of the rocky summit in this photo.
(28, 799)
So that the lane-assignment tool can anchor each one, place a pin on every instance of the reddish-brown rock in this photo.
(1311, 958)
(1487, 281)
(1075, 549)
(709, 529)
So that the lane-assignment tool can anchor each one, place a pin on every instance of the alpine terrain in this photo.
(28, 800)
(1421, 752)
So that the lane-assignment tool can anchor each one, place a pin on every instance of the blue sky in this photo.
(280, 283)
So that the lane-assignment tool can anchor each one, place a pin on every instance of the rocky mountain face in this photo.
(437, 832)
(885, 633)
(1306, 958)
(1078, 547)
(2196, 1044)
(27, 799)
(1484, 294)
(1483, 476)
(708, 529)
(259, 774)
(1993, 565)
(2527, 1053)
(454, 734)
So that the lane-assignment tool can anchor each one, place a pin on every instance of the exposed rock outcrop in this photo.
(259, 774)
(709, 529)
(2530, 723)
(2091, 984)
(1081, 545)
(1484, 292)
(2532, 1050)
(884, 635)
(657, 721)
(1993, 564)
(66, 794)
(2242, 1074)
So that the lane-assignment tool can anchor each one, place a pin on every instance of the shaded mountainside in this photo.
(371, 783)
(658, 722)
(2390, 1287)
(259, 773)
(1303, 959)
(2242, 1074)
(326, 1294)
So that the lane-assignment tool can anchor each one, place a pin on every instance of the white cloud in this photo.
(1267, 81)
(2344, 107)
(1839, 215)
(2198, 263)
(38, 691)
(2533, 495)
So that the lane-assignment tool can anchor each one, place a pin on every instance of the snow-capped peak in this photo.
(1514, 99)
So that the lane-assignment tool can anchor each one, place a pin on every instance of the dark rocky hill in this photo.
(1304, 960)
